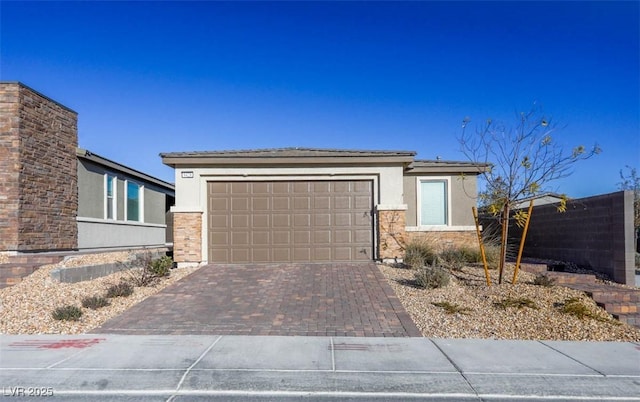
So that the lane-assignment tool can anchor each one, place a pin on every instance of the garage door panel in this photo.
(240, 204)
(260, 238)
(260, 255)
(322, 236)
(260, 221)
(302, 203)
(322, 220)
(281, 221)
(302, 254)
(218, 204)
(281, 237)
(219, 221)
(281, 203)
(301, 237)
(240, 221)
(300, 220)
(281, 254)
(260, 204)
(295, 221)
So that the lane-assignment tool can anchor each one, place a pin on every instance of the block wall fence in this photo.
(594, 232)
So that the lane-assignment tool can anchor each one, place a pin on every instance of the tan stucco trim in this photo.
(440, 228)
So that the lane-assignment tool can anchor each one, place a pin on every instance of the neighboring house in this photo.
(57, 197)
(119, 206)
(316, 205)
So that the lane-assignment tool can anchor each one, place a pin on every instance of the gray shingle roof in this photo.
(291, 152)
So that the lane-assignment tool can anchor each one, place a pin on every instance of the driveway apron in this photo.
(330, 299)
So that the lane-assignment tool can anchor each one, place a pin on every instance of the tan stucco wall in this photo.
(191, 193)
(463, 190)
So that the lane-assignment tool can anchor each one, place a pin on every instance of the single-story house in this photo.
(316, 205)
(55, 196)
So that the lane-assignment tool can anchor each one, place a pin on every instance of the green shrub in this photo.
(637, 261)
(419, 253)
(160, 267)
(122, 289)
(457, 258)
(575, 307)
(544, 280)
(67, 313)
(450, 308)
(431, 277)
(519, 302)
(95, 302)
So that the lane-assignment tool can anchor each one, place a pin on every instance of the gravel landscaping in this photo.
(480, 314)
(27, 307)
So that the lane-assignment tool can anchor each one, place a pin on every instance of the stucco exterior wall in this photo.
(101, 234)
(191, 192)
(463, 192)
(90, 190)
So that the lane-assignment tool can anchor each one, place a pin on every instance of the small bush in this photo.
(637, 261)
(431, 277)
(516, 302)
(95, 302)
(575, 307)
(452, 308)
(161, 267)
(67, 313)
(419, 253)
(457, 258)
(122, 289)
(544, 280)
(145, 271)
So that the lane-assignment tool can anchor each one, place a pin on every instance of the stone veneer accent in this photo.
(38, 172)
(187, 237)
(391, 233)
(443, 240)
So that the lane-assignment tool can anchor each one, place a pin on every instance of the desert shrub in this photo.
(67, 313)
(122, 289)
(161, 267)
(637, 261)
(450, 308)
(419, 253)
(431, 277)
(457, 257)
(95, 302)
(575, 307)
(519, 302)
(544, 280)
(145, 271)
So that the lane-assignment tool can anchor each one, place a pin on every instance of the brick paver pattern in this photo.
(336, 299)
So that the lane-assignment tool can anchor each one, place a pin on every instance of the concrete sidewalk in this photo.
(202, 367)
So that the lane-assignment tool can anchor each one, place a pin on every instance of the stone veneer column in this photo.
(391, 232)
(38, 172)
(187, 237)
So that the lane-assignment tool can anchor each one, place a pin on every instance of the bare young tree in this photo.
(523, 159)
(631, 181)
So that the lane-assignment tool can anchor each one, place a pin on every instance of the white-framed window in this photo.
(110, 195)
(134, 205)
(434, 201)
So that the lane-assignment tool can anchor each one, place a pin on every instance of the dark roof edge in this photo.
(39, 94)
(90, 156)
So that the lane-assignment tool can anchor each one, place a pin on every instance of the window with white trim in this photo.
(433, 202)
(135, 201)
(110, 207)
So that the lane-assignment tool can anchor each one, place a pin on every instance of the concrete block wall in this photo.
(39, 193)
(595, 232)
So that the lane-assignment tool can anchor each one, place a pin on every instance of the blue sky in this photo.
(151, 77)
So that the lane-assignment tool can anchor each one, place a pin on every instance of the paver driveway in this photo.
(338, 299)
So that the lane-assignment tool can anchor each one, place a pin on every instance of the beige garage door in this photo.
(296, 221)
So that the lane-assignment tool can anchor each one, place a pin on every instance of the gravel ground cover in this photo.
(26, 307)
(480, 317)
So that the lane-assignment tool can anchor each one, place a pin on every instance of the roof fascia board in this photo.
(478, 169)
